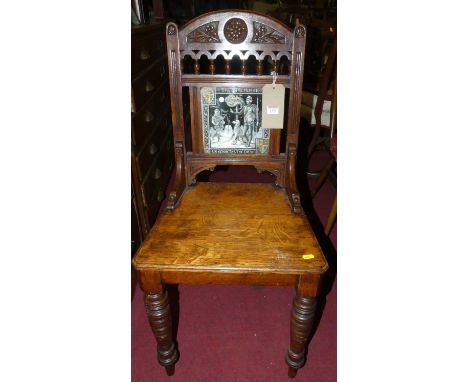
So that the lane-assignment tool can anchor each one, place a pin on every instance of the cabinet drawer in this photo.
(161, 192)
(159, 169)
(152, 185)
(153, 147)
(155, 114)
(147, 49)
(145, 85)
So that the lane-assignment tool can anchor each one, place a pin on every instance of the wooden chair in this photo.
(232, 233)
(330, 168)
(325, 92)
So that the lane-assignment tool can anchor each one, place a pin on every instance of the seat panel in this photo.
(232, 227)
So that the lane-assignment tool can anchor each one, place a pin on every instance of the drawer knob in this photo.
(149, 86)
(157, 173)
(149, 116)
(144, 54)
(153, 149)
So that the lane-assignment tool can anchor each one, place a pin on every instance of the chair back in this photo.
(218, 64)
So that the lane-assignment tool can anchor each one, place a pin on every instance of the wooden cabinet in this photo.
(152, 153)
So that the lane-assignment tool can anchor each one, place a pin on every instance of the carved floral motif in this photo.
(171, 30)
(205, 33)
(300, 31)
(265, 34)
(235, 30)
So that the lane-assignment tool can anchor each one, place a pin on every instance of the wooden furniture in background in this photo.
(232, 233)
(152, 151)
(323, 93)
(329, 171)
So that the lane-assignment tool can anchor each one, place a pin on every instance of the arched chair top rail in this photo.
(235, 30)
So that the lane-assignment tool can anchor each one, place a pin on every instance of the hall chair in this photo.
(232, 233)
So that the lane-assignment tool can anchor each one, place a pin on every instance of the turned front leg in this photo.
(159, 316)
(302, 318)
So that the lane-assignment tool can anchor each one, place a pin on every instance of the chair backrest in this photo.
(225, 107)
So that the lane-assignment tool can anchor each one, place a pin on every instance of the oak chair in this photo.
(232, 233)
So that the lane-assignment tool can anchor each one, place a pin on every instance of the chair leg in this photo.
(159, 316)
(302, 317)
(331, 218)
(322, 177)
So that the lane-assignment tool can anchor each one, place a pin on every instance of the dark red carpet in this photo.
(239, 333)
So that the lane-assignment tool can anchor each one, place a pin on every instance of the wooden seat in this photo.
(224, 227)
(227, 233)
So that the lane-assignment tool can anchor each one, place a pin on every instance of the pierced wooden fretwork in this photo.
(196, 54)
(235, 30)
(205, 33)
(265, 34)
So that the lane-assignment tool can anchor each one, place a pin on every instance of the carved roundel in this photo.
(300, 31)
(171, 30)
(235, 30)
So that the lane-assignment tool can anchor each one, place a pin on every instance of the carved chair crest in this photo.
(225, 107)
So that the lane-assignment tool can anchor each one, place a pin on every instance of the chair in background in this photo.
(329, 171)
(317, 105)
(232, 233)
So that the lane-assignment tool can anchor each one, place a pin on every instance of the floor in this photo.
(241, 333)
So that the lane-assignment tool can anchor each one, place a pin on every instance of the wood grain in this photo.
(232, 227)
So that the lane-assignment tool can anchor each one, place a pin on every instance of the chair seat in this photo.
(232, 227)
